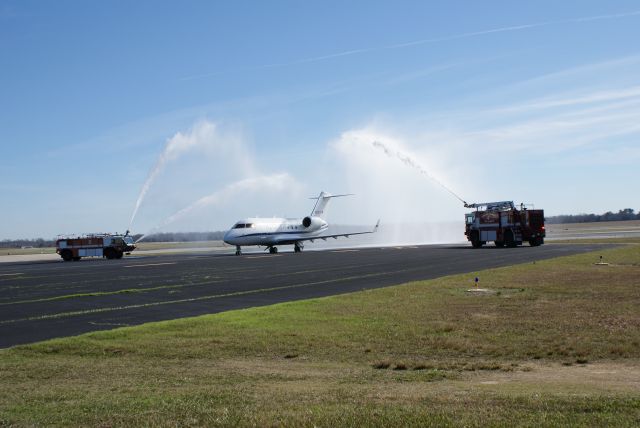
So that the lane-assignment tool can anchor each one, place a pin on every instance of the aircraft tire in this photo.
(273, 250)
(499, 244)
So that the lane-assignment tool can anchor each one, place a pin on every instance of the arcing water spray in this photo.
(413, 164)
(201, 135)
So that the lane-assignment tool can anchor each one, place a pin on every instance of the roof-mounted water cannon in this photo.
(492, 206)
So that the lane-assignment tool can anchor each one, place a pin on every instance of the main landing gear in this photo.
(297, 247)
(273, 250)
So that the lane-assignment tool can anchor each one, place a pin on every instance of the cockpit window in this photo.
(243, 225)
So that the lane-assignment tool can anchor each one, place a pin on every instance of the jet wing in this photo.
(339, 235)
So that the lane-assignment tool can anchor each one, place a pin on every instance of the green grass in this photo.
(556, 343)
(26, 251)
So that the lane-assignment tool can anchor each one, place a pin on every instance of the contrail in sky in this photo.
(417, 43)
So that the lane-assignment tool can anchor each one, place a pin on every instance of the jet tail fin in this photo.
(321, 203)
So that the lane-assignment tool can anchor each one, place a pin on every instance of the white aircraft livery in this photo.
(269, 232)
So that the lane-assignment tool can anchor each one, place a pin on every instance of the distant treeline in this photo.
(19, 243)
(625, 214)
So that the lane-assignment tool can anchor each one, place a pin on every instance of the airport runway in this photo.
(53, 299)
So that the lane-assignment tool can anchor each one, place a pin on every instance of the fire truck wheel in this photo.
(509, 240)
(66, 255)
(499, 244)
(475, 239)
(110, 253)
(537, 241)
(119, 254)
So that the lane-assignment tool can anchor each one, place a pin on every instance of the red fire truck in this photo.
(504, 224)
(111, 246)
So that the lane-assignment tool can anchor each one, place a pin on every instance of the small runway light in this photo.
(479, 291)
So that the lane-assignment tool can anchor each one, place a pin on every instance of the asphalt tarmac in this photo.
(43, 300)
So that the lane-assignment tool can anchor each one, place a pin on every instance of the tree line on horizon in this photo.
(621, 215)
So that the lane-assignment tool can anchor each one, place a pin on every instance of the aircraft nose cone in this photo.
(227, 237)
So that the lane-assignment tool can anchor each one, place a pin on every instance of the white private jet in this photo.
(269, 232)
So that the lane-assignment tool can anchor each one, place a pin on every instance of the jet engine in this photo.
(312, 222)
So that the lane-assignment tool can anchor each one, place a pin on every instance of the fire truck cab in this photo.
(504, 224)
(111, 246)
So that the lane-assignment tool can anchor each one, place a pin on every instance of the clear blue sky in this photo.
(533, 101)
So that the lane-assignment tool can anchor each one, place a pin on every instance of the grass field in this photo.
(26, 251)
(553, 343)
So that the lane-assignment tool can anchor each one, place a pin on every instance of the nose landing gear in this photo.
(238, 250)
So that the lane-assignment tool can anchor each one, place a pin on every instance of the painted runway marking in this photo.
(151, 264)
(10, 274)
(345, 251)
(260, 257)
